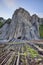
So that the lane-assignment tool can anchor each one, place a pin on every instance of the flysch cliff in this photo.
(23, 26)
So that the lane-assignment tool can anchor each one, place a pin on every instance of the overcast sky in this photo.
(7, 7)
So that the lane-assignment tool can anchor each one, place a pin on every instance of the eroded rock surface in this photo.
(22, 26)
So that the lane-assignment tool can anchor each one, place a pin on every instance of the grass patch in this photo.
(41, 30)
(33, 53)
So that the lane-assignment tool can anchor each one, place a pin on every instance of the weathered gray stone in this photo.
(23, 26)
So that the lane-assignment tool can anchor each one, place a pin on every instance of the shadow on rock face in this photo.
(19, 37)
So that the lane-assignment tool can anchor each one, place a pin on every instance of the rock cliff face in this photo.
(4, 30)
(23, 26)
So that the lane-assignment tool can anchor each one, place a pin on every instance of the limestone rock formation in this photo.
(22, 26)
(4, 30)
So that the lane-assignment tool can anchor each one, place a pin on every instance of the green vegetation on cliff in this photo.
(41, 30)
(1, 24)
(8, 21)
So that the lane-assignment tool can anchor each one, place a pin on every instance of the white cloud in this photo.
(37, 13)
(9, 3)
(40, 15)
